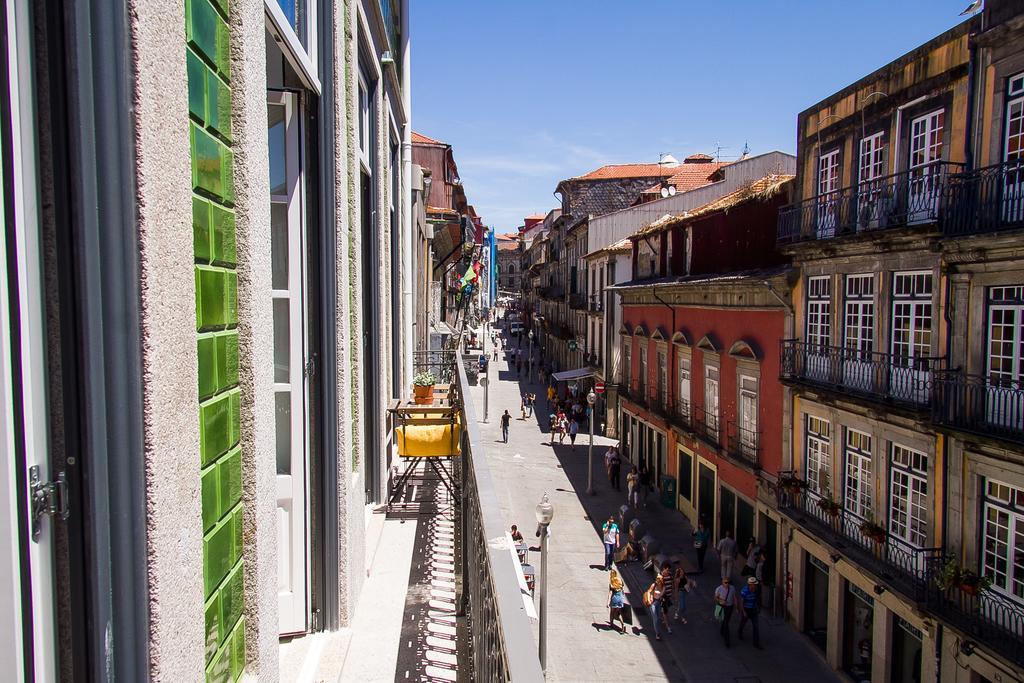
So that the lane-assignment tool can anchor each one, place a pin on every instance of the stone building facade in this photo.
(211, 399)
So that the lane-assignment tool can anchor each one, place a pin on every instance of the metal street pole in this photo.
(591, 400)
(545, 512)
(486, 382)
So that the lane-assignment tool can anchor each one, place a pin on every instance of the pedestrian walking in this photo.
(668, 596)
(632, 486)
(494, 355)
(725, 602)
(750, 607)
(726, 550)
(652, 601)
(701, 539)
(750, 563)
(574, 429)
(683, 585)
(610, 532)
(563, 427)
(522, 406)
(551, 393)
(616, 600)
(553, 421)
(616, 467)
(531, 399)
(759, 567)
(608, 466)
(644, 484)
(506, 419)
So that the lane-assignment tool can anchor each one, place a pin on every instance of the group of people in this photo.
(565, 417)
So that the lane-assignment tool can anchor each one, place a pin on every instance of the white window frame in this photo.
(643, 349)
(627, 361)
(818, 324)
(748, 387)
(684, 381)
(858, 473)
(817, 452)
(1002, 547)
(871, 163)
(911, 302)
(303, 60)
(828, 187)
(712, 396)
(909, 498)
(662, 355)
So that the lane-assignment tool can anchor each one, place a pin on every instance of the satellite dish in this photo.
(664, 192)
(671, 190)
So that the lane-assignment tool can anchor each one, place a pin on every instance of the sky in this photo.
(532, 92)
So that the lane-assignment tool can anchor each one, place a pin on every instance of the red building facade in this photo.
(702, 405)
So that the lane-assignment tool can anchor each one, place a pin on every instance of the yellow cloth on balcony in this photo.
(428, 441)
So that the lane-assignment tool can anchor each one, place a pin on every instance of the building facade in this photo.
(892, 503)
(206, 339)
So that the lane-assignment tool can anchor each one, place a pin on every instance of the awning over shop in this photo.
(578, 373)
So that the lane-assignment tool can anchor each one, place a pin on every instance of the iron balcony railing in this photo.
(440, 363)
(880, 376)
(596, 304)
(909, 197)
(990, 618)
(577, 301)
(744, 444)
(903, 565)
(681, 413)
(707, 425)
(497, 629)
(986, 406)
(985, 200)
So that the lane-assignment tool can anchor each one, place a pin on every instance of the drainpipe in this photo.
(410, 236)
(972, 52)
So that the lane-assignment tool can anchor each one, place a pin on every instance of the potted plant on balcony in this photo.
(972, 583)
(875, 532)
(792, 484)
(829, 506)
(952, 575)
(423, 388)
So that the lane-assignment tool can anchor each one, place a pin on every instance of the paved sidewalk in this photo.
(581, 647)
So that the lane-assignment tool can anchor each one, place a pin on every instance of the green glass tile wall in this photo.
(207, 55)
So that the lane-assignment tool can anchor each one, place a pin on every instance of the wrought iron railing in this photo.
(985, 200)
(744, 444)
(907, 198)
(681, 414)
(440, 363)
(992, 619)
(902, 565)
(596, 303)
(633, 394)
(708, 425)
(881, 376)
(498, 631)
(980, 405)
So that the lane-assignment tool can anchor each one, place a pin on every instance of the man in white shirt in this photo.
(726, 550)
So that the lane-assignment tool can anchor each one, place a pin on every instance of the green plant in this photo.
(873, 531)
(828, 506)
(792, 483)
(424, 379)
(952, 575)
(949, 575)
(974, 582)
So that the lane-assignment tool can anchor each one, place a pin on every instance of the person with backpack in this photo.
(616, 600)
(750, 607)
(652, 601)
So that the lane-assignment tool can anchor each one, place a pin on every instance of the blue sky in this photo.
(529, 93)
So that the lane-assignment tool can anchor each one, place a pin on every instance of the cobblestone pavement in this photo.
(581, 647)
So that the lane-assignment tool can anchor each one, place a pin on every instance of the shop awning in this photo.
(578, 373)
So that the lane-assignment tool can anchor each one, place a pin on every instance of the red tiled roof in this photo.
(424, 140)
(612, 171)
(505, 245)
(690, 176)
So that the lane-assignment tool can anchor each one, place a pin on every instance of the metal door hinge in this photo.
(48, 498)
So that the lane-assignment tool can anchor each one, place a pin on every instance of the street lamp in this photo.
(529, 356)
(545, 513)
(591, 400)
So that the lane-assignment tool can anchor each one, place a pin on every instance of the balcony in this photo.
(680, 413)
(989, 618)
(882, 377)
(577, 301)
(903, 566)
(596, 304)
(980, 405)
(743, 445)
(989, 199)
(899, 200)
(494, 636)
(707, 425)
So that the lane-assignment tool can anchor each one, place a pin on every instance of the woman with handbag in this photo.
(725, 602)
(652, 601)
(616, 600)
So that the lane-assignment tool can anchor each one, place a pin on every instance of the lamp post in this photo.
(545, 512)
(591, 400)
(529, 356)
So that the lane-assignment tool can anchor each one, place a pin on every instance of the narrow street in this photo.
(581, 646)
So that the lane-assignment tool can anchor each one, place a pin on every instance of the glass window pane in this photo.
(282, 342)
(283, 421)
(278, 149)
(279, 245)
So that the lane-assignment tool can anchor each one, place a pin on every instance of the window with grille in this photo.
(818, 453)
(911, 316)
(858, 488)
(908, 495)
